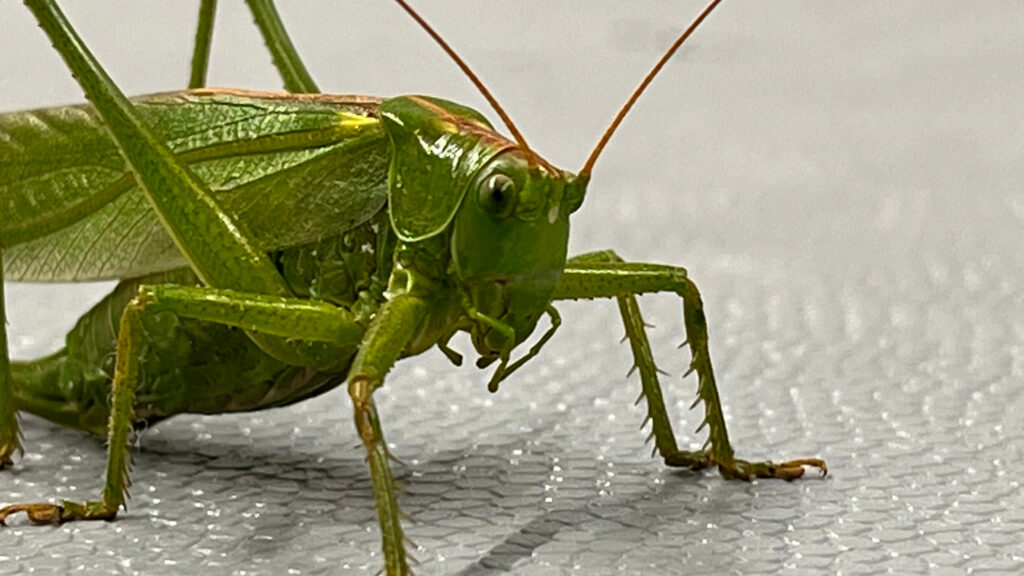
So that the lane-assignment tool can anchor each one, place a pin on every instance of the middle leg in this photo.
(306, 320)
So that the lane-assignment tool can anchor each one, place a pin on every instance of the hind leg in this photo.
(10, 434)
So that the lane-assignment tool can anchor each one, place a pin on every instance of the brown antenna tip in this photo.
(643, 86)
(472, 77)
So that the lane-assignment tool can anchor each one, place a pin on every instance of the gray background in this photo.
(843, 180)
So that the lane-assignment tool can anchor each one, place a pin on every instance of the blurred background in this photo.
(843, 182)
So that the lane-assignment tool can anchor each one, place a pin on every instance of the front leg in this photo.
(606, 275)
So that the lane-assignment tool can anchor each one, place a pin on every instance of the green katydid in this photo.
(431, 223)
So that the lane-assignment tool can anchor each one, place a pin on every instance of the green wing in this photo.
(290, 168)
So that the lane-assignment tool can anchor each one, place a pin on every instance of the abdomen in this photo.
(187, 366)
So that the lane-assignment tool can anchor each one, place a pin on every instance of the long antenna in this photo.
(643, 86)
(472, 77)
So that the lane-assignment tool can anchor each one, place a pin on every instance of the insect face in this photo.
(509, 244)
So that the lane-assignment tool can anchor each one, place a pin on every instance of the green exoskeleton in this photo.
(412, 219)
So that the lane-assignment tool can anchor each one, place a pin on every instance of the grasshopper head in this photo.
(511, 233)
(509, 244)
(506, 210)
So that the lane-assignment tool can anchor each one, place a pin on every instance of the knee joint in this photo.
(359, 391)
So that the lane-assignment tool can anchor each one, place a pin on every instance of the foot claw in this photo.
(66, 511)
(798, 466)
(789, 470)
(736, 469)
(37, 513)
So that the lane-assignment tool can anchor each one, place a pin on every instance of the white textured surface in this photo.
(844, 182)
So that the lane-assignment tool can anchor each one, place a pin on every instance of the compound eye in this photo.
(498, 195)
